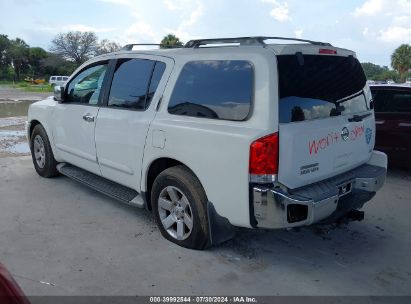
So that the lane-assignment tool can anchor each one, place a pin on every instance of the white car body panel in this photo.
(74, 137)
(122, 144)
(121, 136)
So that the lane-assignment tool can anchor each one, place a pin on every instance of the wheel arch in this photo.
(154, 169)
(33, 123)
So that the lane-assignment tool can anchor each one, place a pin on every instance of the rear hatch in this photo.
(326, 126)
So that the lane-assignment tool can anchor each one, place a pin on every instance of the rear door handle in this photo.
(379, 122)
(404, 124)
(88, 117)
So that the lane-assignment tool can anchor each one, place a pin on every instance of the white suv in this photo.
(58, 80)
(249, 134)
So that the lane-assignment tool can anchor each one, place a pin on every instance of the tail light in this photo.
(264, 156)
(327, 51)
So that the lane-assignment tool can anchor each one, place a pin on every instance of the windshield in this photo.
(313, 87)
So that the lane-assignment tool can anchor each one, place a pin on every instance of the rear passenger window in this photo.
(131, 81)
(219, 89)
(392, 101)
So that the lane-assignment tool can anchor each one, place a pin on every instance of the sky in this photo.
(372, 28)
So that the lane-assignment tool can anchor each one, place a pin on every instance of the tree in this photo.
(56, 65)
(18, 55)
(401, 60)
(170, 41)
(376, 72)
(36, 59)
(75, 46)
(107, 46)
(4, 46)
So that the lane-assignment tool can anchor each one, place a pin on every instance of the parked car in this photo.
(392, 106)
(10, 291)
(251, 135)
(58, 80)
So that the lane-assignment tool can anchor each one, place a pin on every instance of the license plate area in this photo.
(344, 189)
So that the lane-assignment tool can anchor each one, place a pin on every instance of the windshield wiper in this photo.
(358, 118)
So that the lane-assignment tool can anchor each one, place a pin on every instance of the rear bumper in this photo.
(273, 207)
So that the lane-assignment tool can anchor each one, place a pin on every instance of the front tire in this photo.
(180, 208)
(41, 153)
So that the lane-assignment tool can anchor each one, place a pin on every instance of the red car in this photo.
(392, 105)
(10, 292)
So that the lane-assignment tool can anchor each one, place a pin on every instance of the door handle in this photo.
(88, 117)
(404, 124)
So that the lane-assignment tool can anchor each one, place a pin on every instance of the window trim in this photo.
(98, 104)
(252, 101)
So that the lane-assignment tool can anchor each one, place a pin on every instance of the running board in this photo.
(103, 185)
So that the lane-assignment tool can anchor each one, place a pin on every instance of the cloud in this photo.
(171, 5)
(395, 34)
(122, 2)
(76, 27)
(192, 12)
(141, 30)
(369, 7)
(391, 20)
(299, 33)
(279, 11)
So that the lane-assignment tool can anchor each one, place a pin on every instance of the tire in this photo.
(178, 197)
(41, 153)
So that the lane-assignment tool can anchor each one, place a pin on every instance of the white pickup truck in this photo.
(221, 133)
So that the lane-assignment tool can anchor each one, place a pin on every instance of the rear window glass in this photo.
(314, 87)
(219, 89)
(396, 101)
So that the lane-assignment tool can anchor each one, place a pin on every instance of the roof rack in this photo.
(255, 40)
(129, 47)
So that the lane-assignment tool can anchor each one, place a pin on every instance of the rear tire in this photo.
(180, 208)
(41, 153)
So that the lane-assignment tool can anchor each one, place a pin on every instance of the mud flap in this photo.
(220, 228)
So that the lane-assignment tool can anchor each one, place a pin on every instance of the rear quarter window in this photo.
(217, 89)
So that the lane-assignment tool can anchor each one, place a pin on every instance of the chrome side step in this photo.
(103, 185)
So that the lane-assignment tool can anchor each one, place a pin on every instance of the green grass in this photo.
(27, 86)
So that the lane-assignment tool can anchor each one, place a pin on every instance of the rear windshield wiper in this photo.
(358, 118)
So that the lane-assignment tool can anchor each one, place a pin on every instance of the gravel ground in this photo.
(60, 238)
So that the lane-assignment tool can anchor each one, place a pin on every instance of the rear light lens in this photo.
(327, 51)
(264, 155)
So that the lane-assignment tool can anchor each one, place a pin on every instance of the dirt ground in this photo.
(60, 238)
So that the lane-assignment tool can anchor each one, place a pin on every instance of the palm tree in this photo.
(170, 41)
(401, 60)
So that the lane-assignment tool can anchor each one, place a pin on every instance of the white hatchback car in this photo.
(249, 134)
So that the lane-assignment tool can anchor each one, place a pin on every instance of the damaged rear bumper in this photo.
(272, 207)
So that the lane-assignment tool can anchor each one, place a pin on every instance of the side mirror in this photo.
(59, 93)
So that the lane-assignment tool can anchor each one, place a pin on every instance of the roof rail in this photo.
(129, 47)
(254, 40)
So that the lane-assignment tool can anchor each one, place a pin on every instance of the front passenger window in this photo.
(85, 87)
